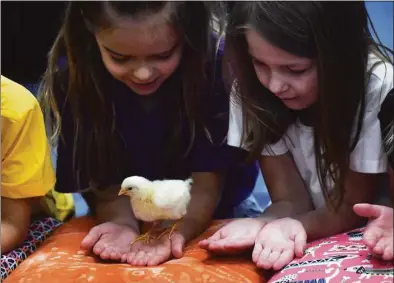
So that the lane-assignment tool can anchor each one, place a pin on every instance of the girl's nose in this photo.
(276, 85)
(143, 73)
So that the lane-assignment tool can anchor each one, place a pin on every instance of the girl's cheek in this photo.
(168, 67)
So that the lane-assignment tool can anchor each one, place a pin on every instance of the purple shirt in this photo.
(144, 134)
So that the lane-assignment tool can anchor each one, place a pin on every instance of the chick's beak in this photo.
(122, 191)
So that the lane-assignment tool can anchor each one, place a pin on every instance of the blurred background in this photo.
(29, 28)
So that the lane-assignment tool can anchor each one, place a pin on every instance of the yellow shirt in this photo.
(26, 168)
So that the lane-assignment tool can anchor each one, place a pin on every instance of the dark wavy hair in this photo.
(336, 36)
(95, 136)
(386, 117)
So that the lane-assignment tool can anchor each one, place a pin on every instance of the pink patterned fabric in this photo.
(38, 232)
(338, 259)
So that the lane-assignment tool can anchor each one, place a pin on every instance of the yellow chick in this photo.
(154, 201)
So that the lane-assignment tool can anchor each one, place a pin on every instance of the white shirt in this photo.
(368, 155)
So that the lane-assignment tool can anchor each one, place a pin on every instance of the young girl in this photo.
(309, 85)
(138, 97)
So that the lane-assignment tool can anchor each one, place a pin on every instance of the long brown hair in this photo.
(386, 118)
(337, 37)
(95, 133)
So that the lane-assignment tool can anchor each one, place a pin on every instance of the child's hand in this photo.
(277, 243)
(378, 235)
(236, 236)
(156, 251)
(109, 240)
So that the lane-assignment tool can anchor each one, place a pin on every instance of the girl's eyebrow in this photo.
(256, 59)
(115, 53)
(291, 65)
(158, 54)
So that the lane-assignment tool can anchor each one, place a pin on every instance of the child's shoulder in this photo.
(381, 69)
(380, 81)
(16, 100)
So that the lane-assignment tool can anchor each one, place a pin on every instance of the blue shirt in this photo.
(144, 134)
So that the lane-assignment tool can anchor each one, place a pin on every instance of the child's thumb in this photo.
(300, 243)
(367, 210)
(177, 244)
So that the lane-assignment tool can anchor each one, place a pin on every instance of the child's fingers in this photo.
(161, 254)
(142, 260)
(130, 257)
(215, 237)
(285, 257)
(300, 243)
(381, 246)
(99, 247)
(221, 234)
(263, 261)
(378, 249)
(157, 258)
(91, 238)
(274, 256)
(123, 258)
(147, 259)
(239, 243)
(256, 252)
(367, 210)
(388, 252)
(177, 244)
(113, 254)
(105, 254)
(139, 256)
(371, 236)
(218, 245)
(227, 246)
(203, 244)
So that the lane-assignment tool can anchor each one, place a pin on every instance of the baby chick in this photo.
(155, 201)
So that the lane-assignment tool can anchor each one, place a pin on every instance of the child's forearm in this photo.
(322, 222)
(12, 236)
(283, 209)
(15, 221)
(116, 209)
(205, 196)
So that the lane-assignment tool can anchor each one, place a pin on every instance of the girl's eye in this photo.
(258, 63)
(163, 56)
(297, 71)
(119, 59)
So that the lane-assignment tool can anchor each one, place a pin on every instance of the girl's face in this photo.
(140, 53)
(291, 78)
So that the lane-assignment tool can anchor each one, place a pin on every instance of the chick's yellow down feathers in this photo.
(153, 201)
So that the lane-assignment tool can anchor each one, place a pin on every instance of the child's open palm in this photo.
(157, 251)
(278, 242)
(378, 234)
(236, 236)
(109, 240)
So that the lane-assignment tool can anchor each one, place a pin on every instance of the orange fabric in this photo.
(60, 259)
